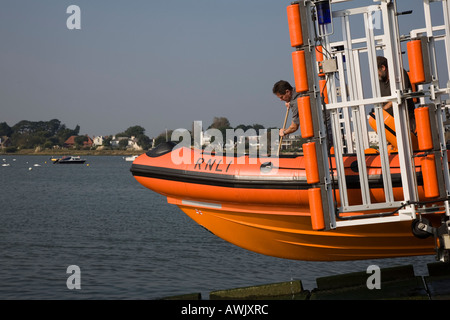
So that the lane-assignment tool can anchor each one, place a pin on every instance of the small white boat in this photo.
(131, 158)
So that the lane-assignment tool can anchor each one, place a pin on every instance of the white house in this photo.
(98, 140)
(132, 142)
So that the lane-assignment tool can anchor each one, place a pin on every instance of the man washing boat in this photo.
(285, 92)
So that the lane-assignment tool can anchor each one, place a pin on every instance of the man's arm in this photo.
(292, 128)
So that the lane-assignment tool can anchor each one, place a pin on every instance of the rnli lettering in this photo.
(211, 165)
(217, 166)
(199, 163)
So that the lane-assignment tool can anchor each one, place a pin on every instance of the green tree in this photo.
(64, 133)
(79, 140)
(243, 127)
(135, 131)
(222, 124)
(258, 127)
(53, 126)
(163, 137)
(30, 134)
(107, 141)
(123, 144)
(23, 127)
(5, 130)
(139, 133)
(144, 142)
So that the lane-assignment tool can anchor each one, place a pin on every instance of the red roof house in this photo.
(70, 143)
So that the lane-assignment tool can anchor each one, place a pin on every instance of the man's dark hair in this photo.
(382, 61)
(281, 87)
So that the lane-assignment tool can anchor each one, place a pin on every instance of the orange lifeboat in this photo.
(262, 204)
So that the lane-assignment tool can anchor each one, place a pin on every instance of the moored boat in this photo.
(69, 160)
(131, 158)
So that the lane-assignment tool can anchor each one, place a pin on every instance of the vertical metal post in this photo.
(320, 137)
(409, 181)
(446, 11)
(362, 166)
(384, 156)
(360, 96)
(345, 112)
(347, 88)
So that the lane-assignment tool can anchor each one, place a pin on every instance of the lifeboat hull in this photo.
(264, 207)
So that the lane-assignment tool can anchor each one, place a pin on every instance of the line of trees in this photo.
(50, 134)
(31, 134)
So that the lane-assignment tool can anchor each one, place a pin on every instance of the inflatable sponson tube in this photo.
(161, 149)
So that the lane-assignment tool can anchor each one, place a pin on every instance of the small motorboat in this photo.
(131, 158)
(69, 160)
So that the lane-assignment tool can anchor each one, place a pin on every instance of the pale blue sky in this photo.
(158, 64)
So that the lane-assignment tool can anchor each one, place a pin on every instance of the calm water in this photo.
(128, 242)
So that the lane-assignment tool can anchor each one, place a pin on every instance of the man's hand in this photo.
(388, 105)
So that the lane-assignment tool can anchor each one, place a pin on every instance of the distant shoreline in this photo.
(74, 152)
(65, 152)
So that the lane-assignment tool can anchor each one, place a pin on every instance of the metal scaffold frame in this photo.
(340, 65)
(352, 109)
